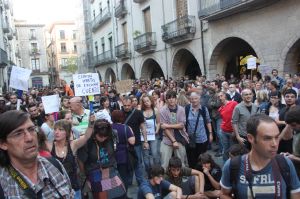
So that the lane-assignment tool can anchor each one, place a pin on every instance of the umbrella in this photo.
(243, 60)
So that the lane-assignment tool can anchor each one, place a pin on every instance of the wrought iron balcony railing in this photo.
(104, 58)
(3, 58)
(103, 17)
(180, 30)
(120, 10)
(139, 1)
(145, 43)
(34, 51)
(216, 9)
(123, 51)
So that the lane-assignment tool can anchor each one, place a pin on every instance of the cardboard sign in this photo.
(51, 103)
(251, 63)
(86, 84)
(19, 78)
(124, 86)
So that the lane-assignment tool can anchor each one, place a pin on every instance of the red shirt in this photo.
(226, 112)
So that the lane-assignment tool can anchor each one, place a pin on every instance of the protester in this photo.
(65, 149)
(193, 186)
(262, 164)
(212, 175)
(98, 158)
(152, 123)
(48, 125)
(172, 119)
(126, 139)
(80, 115)
(153, 187)
(67, 89)
(20, 166)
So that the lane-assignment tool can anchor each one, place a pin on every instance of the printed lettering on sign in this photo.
(86, 84)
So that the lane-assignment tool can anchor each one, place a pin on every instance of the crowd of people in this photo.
(159, 132)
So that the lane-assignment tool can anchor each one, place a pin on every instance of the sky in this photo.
(44, 11)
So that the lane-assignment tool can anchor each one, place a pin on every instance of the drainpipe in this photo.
(166, 53)
(132, 44)
(202, 47)
(115, 37)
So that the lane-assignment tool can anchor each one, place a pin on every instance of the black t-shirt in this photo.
(216, 173)
(134, 122)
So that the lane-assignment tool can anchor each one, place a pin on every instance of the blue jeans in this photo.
(77, 194)
(217, 128)
(138, 171)
(227, 143)
(152, 155)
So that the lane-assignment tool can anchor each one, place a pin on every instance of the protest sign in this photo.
(19, 78)
(150, 126)
(124, 86)
(264, 69)
(86, 84)
(51, 103)
(251, 63)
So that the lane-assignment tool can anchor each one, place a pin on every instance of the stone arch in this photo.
(127, 72)
(151, 69)
(185, 64)
(110, 75)
(290, 56)
(225, 57)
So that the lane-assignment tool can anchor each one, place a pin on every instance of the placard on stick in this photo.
(124, 86)
(86, 84)
(51, 103)
(251, 63)
(19, 78)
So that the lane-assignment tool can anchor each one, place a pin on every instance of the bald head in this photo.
(76, 105)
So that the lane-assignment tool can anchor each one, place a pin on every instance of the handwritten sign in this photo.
(86, 84)
(19, 78)
(150, 126)
(251, 63)
(51, 103)
(124, 86)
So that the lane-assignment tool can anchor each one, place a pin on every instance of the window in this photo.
(103, 44)
(32, 34)
(147, 20)
(34, 47)
(35, 63)
(62, 34)
(63, 62)
(96, 48)
(75, 48)
(74, 34)
(94, 14)
(63, 47)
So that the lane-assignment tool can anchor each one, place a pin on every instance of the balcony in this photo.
(145, 43)
(18, 54)
(3, 58)
(10, 35)
(139, 1)
(120, 10)
(101, 19)
(216, 9)
(104, 58)
(34, 52)
(36, 71)
(123, 51)
(6, 4)
(180, 30)
(32, 37)
(5, 27)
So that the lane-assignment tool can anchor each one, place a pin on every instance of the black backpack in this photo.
(284, 170)
(52, 160)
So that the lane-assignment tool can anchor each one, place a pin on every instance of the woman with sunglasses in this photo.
(98, 158)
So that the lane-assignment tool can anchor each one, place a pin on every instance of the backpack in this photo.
(203, 114)
(284, 170)
(52, 160)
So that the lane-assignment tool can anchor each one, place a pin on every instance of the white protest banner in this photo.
(51, 103)
(251, 63)
(124, 86)
(86, 84)
(150, 126)
(19, 78)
